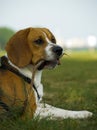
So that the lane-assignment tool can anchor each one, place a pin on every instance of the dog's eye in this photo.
(39, 41)
(53, 40)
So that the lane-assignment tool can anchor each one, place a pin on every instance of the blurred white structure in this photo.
(79, 43)
(75, 43)
(92, 41)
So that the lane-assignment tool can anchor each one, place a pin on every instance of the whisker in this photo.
(64, 54)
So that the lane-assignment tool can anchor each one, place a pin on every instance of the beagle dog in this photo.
(27, 49)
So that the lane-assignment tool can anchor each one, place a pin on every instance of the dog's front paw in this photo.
(77, 114)
(81, 114)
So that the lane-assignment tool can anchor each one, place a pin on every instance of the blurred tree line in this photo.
(5, 34)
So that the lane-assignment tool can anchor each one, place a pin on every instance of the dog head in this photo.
(32, 45)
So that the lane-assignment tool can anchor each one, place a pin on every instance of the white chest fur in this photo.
(27, 71)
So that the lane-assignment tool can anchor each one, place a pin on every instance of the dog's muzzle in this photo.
(57, 50)
(56, 53)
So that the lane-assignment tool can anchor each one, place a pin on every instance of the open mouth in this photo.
(49, 64)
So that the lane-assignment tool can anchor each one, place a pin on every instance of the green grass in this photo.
(2, 53)
(73, 85)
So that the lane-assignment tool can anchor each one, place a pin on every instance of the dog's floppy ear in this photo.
(18, 50)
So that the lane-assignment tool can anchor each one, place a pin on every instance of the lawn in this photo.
(72, 85)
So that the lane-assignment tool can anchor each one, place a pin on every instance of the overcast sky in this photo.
(66, 18)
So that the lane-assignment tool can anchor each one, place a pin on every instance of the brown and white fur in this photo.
(42, 47)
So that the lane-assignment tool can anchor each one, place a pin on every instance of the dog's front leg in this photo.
(48, 111)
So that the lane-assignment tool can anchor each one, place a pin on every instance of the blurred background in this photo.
(73, 22)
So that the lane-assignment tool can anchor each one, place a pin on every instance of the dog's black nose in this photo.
(58, 50)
